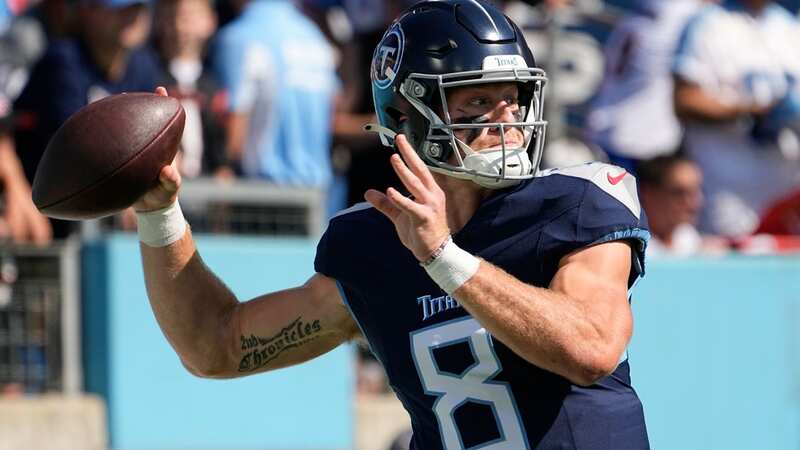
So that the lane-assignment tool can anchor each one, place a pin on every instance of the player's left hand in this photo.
(421, 221)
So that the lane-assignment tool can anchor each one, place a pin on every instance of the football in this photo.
(107, 155)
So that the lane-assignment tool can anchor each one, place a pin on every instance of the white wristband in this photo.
(452, 267)
(161, 227)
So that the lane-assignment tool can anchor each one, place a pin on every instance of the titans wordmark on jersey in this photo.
(463, 388)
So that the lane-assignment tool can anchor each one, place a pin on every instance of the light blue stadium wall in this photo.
(715, 357)
(153, 403)
(716, 353)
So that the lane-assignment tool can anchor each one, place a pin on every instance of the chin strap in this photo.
(465, 148)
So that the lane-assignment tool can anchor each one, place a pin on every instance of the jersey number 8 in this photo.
(472, 385)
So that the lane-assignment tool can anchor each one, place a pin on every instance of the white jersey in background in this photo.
(739, 59)
(632, 115)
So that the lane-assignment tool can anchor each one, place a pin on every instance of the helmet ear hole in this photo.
(408, 130)
(395, 114)
(415, 127)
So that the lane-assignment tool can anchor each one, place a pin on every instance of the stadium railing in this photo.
(250, 207)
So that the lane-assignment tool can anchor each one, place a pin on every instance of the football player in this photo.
(494, 294)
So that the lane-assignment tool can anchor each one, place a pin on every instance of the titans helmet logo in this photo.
(387, 57)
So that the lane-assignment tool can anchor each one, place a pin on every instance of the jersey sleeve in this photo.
(322, 260)
(608, 210)
(341, 251)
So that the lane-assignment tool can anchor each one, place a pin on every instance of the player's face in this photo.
(681, 194)
(495, 102)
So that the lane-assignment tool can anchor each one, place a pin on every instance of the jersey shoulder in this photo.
(355, 236)
(359, 213)
(602, 183)
(603, 206)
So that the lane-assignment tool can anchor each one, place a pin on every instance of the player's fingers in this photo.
(170, 178)
(409, 179)
(382, 204)
(15, 219)
(408, 206)
(41, 231)
(414, 162)
(162, 91)
(41, 234)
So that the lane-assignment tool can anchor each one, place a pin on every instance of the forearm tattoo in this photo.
(259, 351)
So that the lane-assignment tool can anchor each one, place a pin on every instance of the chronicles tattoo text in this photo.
(260, 350)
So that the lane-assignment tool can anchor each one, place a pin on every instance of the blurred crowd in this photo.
(699, 99)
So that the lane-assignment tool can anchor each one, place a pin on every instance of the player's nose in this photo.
(505, 112)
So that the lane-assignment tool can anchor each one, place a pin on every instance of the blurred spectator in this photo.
(356, 26)
(20, 221)
(783, 218)
(632, 117)
(21, 43)
(779, 230)
(735, 68)
(182, 29)
(671, 194)
(106, 58)
(57, 17)
(7, 12)
(279, 72)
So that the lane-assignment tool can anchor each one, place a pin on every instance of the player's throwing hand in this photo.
(169, 182)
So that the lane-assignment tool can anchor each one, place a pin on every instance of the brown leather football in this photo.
(107, 155)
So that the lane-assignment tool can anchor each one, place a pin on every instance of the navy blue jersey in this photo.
(462, 388)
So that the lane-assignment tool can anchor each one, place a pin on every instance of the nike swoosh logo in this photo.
(615, 180)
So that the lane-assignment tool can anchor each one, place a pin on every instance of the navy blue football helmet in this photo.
(438, 45)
